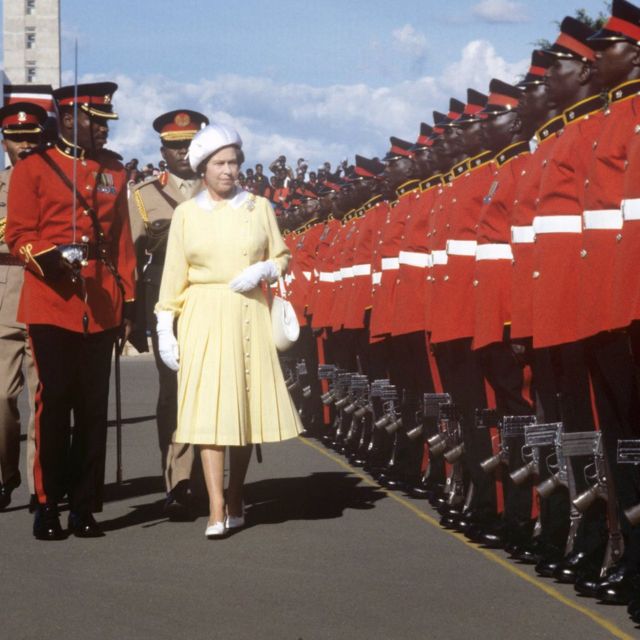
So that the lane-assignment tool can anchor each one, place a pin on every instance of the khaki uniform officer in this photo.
(151, 207)
(22, 124)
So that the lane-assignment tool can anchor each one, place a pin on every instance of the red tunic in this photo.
(558, 225)
(370, 227)
(408, 308)
(322, 291)
(522, 235)
(626, 278)
(455, 318)
(39, 219)
(438, 248)
(493, 255)
(387, 262)
(345, 261)
(602, 217)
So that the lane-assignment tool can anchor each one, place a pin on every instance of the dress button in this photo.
(619, 238)
(246, 371)
(583, 253)
(85, 238)
(476, 283)
(536, 274)
(247, 388)
(446, 278)
(88, 188)
(246, 355)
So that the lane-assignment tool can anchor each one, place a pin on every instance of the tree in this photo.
(595, 22)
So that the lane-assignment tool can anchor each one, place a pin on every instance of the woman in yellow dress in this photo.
(231, 393)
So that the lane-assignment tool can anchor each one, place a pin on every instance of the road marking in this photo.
(609, 626)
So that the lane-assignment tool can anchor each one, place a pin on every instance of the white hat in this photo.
(208, 140)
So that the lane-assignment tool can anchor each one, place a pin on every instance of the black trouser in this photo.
(504, 372)
(74, 375)
(461, 376)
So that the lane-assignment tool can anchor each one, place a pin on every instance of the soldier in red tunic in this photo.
(78, 290)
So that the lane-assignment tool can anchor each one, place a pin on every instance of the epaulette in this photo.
(584, 108)
(369, 204)
(353, 215)
(512, 151)
(407, 187)
(480, 160)
(625, 90)
(429, 183)
(144, 183)
(549, 128)
(306, 226)
(460, 168)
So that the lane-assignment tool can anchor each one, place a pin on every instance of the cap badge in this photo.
(22, 116)
(182, 120)
(107, 99)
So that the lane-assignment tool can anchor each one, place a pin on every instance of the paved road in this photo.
(326, 555)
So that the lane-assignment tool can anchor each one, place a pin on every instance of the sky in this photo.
(322, 80)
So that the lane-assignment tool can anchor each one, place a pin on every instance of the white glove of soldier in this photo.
(250, 278)
(167, 343)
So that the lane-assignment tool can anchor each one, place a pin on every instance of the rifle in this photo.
(536, 436)
(510, 427)
(629, 453)
(599, 474)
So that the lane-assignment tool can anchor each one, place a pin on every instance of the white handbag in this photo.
(284, 322)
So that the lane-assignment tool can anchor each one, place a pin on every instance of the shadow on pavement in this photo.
(318, 496)
(314, 497)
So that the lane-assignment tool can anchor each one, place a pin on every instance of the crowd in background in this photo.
(284, 187)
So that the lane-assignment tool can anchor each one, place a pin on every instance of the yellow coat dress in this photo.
(231, 390)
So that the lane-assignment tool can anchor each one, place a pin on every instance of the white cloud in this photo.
(479, 62)
(500, 11)
(301, 120)
(410, 41)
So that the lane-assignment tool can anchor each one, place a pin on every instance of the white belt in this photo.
(461, 247)
(361, 269)
(389, 264)
(557, 224)
(326, 276)
(439, 257)
(494, 252)
(307, 274)
(346, 272)
(414, 258)
(429, 261)
(523, 235)
(603, 219)
(376, 278)
(631, 209)
(337, 276)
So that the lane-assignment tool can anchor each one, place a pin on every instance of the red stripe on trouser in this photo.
(438, 388)
(324, 384)
(37, 468)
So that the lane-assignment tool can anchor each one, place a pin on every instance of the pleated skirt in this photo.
(231, 390)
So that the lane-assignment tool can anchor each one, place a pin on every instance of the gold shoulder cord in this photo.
(3, 224)
(141, 208)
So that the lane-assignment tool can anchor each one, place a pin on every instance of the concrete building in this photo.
(31, 30)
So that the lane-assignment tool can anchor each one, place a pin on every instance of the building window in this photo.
(30, 37)
(31, 72)
(29, 7)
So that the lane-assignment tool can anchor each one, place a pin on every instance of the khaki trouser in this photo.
(15, 354)
(177, 459)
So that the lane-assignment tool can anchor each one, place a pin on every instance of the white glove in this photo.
(167, 343)
(250, 278)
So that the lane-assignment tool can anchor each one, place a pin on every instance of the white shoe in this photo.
(215, 530)
(235, 522)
